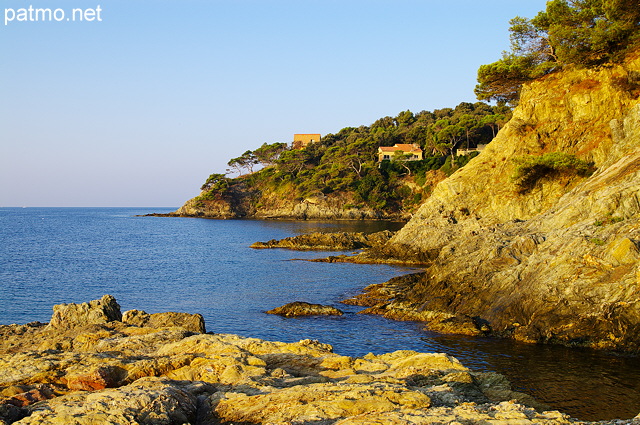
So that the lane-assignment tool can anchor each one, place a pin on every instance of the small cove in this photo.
(58, 255)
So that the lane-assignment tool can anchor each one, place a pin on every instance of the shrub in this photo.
(530, 169)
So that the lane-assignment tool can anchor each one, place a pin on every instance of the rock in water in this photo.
(300, 308)
(67, 316)
(340, 241)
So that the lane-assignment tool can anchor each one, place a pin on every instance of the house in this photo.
(301, 141)
(387, 152)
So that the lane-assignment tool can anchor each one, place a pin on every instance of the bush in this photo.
(530, 169)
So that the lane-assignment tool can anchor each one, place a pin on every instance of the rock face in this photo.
(242, 203)
(100, 311)
(558, 263)
(118, 373)
(340, 241)
(300, 308)
(190, 322)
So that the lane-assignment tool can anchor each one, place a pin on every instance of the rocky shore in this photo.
(555, 262)
(340, 241)
(93, 365)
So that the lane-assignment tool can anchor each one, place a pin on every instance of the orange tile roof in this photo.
(405, 147)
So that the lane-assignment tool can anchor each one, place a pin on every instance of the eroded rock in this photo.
(125, 374)
(300, 308)
(104, 310)
(190, 322)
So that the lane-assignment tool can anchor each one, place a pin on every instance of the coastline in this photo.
(163, 368)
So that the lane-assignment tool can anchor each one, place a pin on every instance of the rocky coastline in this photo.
(241, 203)
(555, 262)
(93, 364)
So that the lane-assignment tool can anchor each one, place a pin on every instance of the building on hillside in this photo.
(387, 152)
(301, 141)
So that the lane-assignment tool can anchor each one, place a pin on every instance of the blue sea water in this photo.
(58, 255)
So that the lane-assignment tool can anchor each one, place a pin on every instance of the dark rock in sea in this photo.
(340, 241)
(300, 308)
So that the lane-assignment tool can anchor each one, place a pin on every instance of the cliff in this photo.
(263, 196)
(93, 365)
(557, 261)
(274, 204)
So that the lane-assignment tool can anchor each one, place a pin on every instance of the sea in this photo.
(60, 255)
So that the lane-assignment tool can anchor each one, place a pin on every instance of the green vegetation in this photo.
(530, 169)
(568, 32)
(610, 219)
(346, 163)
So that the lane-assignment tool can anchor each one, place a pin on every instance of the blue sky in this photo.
(139, 108)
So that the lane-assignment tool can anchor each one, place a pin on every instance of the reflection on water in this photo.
(310, 226)
(587, 384)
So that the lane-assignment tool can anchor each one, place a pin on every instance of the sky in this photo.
(135, 102)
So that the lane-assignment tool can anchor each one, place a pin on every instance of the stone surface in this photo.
(104, 310)
(126, 374)
(559, 263)
(190, 322)
(300, 308)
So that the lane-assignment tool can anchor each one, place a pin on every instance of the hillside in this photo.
(553, 257)
(340, 177)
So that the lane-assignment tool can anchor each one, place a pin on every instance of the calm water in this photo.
(58, 255)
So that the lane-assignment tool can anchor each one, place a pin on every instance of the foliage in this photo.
(578, 32)
(529, 170)
(266, 155)
(347, 161)
(610, 219)
(245, 161)
(216, 182)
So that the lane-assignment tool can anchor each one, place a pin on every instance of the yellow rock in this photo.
(624, 251)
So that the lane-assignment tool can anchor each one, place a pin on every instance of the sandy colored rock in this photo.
(120, 374)
(100, 311)
(560, 260)
(190, 322)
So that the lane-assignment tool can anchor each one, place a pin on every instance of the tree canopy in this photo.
(347, 161)
(577, 32)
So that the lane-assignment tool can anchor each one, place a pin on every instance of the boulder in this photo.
(67, 316)
(300, 308)
(190, 322)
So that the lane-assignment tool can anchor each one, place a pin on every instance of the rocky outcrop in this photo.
(117, 373)
(340, 241)
(268, 204)
(190, 322)
(557, 263)
(301, 308)
(104, 310)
